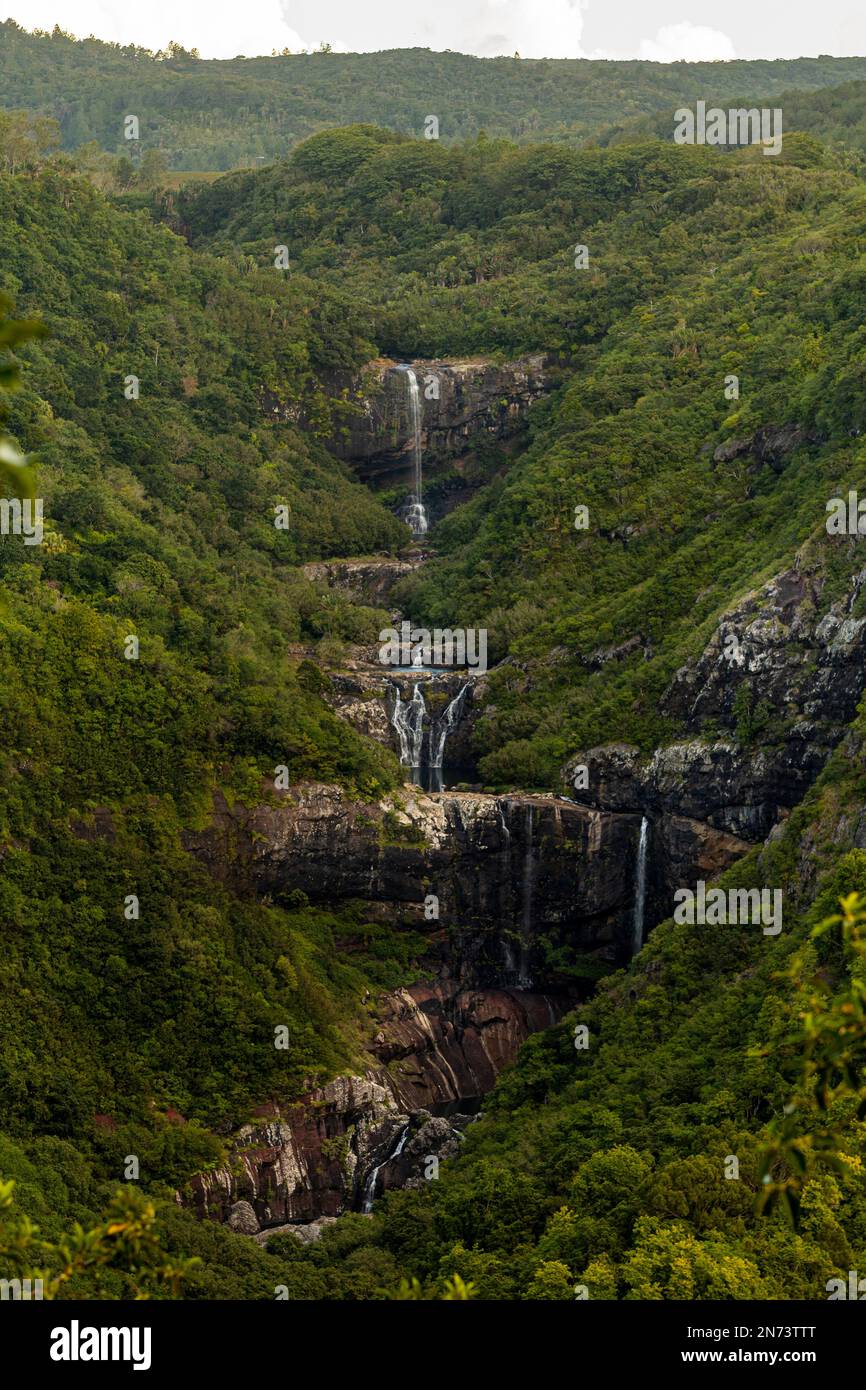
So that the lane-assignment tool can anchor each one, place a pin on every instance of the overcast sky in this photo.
(664, 30)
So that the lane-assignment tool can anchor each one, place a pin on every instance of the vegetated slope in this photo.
(702, 267)
(209, 114)
(159, 524)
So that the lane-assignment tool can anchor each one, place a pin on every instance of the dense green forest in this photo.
(597, 1168)
(210, 114)
(699, 267)
(160, 525)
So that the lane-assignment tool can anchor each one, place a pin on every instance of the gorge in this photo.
(366, 948)
(524, 899)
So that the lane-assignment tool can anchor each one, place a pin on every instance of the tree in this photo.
(26, 140)
(124, 1244)
(829, 1056)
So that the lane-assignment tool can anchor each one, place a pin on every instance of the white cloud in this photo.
(693, 43)
(218, 30)
(222, 29)
(490, 28)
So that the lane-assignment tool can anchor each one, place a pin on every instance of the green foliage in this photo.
(605, 1168)
(122, 1257)
(217, 115)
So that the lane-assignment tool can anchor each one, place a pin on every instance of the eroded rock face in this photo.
(779, 681)
(367, 581)
(440, 1048)
(302, 1162)
(803, 661)
(771, 445)
(446, 1046)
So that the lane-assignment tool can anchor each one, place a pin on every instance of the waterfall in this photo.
(640, 887)
(408, 722)
(370, 1184)
(439, 734)
(524, 979)
(408, 719)
(416, 516)
(505, 831)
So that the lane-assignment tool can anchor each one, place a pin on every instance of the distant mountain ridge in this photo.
(211, 114)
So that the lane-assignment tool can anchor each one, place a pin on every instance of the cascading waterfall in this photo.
(439, 734)
(370, 1184)
(640, 887)
(408, 721)
(507, 947)
(416, 515)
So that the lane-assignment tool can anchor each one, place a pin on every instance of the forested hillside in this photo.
(141, 992)
(699, 267)
(159, 525)
(835, 114)
(209, 114)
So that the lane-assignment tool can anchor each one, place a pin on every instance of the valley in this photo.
(407, 773)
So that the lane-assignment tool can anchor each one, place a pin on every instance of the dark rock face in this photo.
(458, 399)
(518, 876)
(770, 445)
(500, 886)
(444, 1046)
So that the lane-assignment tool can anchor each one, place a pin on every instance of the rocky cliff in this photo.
(766, 701)
(458, 400)
(515, 877)
(439, 1051)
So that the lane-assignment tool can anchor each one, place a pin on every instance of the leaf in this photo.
(16, 470)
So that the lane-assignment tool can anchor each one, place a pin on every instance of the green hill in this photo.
(215, 114)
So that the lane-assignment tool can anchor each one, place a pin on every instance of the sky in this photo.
(663, 30)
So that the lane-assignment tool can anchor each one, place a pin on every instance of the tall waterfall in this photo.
(640, 887)
(416, 515)
(408, 721)
(524, 979)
